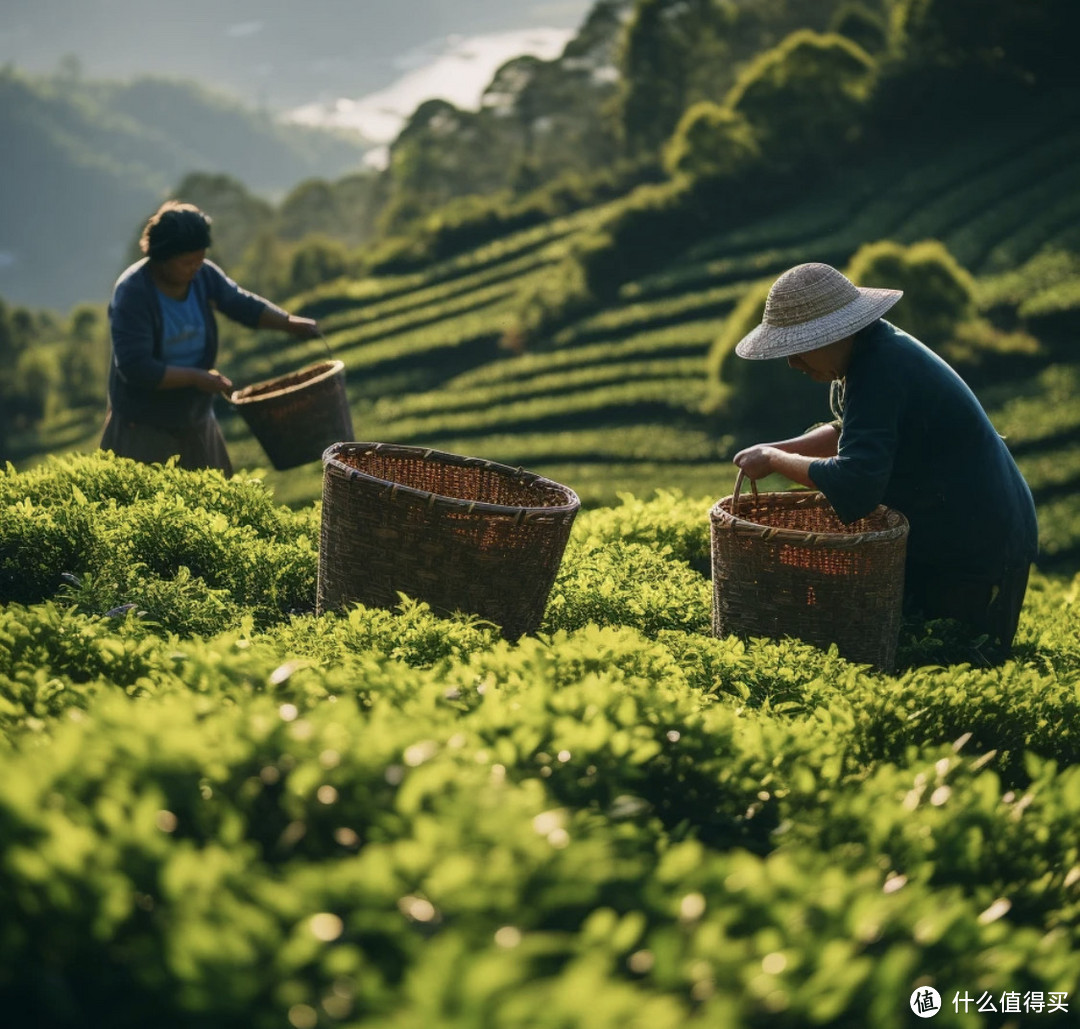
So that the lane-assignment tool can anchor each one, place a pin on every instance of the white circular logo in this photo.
(926, 1002)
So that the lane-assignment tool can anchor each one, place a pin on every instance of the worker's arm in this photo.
(765, 459)
(179, 377)
(821, 441)
(790, 457)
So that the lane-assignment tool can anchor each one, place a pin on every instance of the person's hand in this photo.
(212, 381)
(756, 461)
(302, 328)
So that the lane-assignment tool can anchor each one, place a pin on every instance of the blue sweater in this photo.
(914, 437)
(137, 329)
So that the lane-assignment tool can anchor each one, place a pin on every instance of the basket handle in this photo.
(738, 488)
(236, 389)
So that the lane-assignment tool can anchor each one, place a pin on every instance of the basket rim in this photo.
(331, 365)
(725, 520)
(331, 463)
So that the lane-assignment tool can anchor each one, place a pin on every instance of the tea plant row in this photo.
(257, 817)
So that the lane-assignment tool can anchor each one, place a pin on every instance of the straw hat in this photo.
(810, 306)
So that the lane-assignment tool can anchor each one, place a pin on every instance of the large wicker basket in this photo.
(784, 565)
(297, 416)
(461, 533)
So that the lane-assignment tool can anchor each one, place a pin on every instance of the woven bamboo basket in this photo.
(296, 417)
(461, 533)
(784, 565)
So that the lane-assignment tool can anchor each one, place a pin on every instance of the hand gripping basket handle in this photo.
(738, 488)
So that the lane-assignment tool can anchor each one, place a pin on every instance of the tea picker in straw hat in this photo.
(162, 378)
(911, 435)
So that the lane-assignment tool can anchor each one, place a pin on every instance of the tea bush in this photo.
(195, 551)
(670, 520)
(390, 819)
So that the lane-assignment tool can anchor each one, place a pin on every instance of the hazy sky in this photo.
(281, 53)
(460, 73)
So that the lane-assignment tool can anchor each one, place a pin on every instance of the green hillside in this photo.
(84, 161)
(612, 400)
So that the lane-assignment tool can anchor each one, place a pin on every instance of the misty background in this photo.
(276, 54)
(271, 93)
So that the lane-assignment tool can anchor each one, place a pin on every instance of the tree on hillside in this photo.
(711, 141)
(538, 121)
(264, 268)
(85, 356)
(342, 210)
(561, 110)
(238, 215)
(668, 45)
(28, 373)
(805, 99)
(310, 207)
(939, 295)
(441, 153)
(553, 117)
(317, 260)
(861, 25)
(9, 355)
(35, 377)
(679, 52)
(1033, 38)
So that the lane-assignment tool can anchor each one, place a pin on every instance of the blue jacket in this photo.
(914, 437)
(137, 329)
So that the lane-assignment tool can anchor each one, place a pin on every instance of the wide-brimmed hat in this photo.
(810, 306)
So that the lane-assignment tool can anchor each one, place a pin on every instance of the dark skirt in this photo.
(199, 445)
(984, 608)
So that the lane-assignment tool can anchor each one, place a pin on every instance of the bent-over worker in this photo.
(911, 435)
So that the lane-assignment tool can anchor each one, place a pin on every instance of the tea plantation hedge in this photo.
(217, 810)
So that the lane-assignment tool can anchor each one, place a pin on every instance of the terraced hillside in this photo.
(612, 401)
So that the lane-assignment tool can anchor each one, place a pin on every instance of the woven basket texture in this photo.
(787, 566)
(460, 533)
(296, 417)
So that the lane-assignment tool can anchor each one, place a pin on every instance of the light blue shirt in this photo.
(184, 340)
(137, 328)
